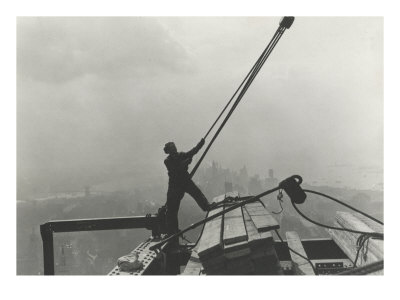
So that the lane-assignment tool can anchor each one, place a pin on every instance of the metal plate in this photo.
(146, 256)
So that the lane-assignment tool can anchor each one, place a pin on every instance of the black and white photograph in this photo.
(199, 145)
(249, 148)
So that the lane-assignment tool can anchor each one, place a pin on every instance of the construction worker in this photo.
(180, 183)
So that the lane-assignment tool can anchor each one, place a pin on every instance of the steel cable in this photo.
(250, 79)
(344, 204)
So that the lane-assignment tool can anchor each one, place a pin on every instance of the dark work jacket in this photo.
(177, 165)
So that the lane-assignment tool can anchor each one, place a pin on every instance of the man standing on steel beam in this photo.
(180, 182)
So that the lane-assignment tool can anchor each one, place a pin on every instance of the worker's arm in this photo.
(196, 149)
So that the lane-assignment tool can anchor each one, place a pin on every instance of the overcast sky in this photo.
(103, 95)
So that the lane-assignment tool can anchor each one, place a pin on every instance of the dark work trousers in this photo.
(176, 191)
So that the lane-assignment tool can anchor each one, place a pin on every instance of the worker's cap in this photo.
(168, 147)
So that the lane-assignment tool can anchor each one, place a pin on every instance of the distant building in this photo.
(67, 264)
(271, 181)
(243, 177)
(32, 257)
(255, 185)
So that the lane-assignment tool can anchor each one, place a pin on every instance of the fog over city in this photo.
(99, 97)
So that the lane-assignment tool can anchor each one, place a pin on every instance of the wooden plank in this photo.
(210, 240)
(256, 209)
(348, 220)
(234, 229)
(372, 224)
(193, 266)
(192, 269)
(255, 238)
(263, 222)
(301, 265)
(347, 241)
(236, 250)
(255, 204)
(263, 253)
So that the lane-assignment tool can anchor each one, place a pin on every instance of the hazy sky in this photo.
(99, 97)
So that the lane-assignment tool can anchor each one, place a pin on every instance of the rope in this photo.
(364, 270)
(362, 239)
(230, 100)
(344, 204)
(372, 234)
(360, 246)
(279, 199)
(248, 80)
(237, 90)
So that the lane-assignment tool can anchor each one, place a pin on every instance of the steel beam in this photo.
(46, 230)
(48, 250)
(147, 222)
